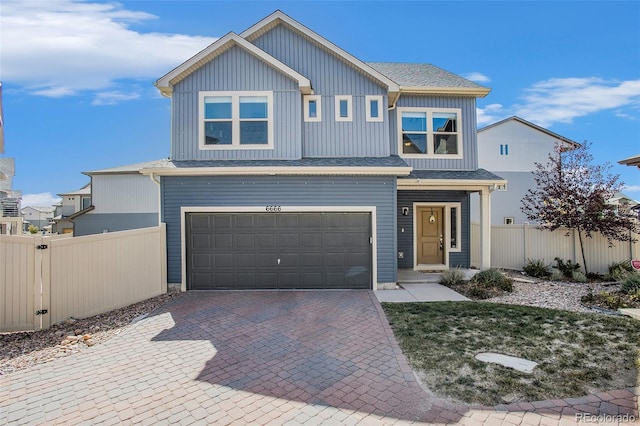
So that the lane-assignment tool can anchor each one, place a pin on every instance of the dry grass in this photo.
(578, 354)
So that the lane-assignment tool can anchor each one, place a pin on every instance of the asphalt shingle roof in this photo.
(393, 161)
(131, 168)
(479, 174)
(421, 75)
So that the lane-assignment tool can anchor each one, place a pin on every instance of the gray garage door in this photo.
(278, 251)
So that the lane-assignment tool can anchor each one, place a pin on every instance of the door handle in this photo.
(278, 261)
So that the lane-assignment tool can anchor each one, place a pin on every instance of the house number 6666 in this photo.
(273, 209)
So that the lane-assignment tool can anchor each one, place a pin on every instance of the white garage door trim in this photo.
(275, 210)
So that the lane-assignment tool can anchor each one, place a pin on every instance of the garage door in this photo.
(278, 251)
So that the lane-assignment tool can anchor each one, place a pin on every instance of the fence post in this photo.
(41, 281)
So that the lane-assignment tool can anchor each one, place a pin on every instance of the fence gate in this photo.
(24, 283)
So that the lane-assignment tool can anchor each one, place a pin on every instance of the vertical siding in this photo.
(17, 286)
(236, 70)
(286, 191)
(124, 193)
(330, 76)
(468, 119)
(97, 223)
(405, 239)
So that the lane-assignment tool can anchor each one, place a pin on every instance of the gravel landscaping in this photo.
(21, 350)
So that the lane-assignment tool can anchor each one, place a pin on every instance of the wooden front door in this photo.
(430, 235)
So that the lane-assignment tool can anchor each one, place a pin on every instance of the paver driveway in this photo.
(298, 357)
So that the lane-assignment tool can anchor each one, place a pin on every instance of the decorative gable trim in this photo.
(278, 17)
(165, 84)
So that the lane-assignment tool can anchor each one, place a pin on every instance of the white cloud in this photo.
(490, 114)
(43, 199)
(632, 188)
(560, 100)
(112, 98)
(477, 77)
(62, 47)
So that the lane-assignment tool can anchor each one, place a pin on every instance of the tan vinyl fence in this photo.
(512, 245)
(47, 279)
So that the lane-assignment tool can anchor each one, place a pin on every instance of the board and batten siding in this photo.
(231, 191)
(236, 70)
(331, 76)
(468, 127)
(405, 239)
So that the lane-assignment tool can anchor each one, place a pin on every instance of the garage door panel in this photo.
(316, 250)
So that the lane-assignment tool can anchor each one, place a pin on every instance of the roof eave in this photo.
(278, 171)
(479, 92)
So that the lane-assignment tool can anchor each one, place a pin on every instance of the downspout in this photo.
(157, 182)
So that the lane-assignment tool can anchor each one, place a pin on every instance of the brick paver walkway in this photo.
(262, 358)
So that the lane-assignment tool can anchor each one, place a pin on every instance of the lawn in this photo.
(578, 354)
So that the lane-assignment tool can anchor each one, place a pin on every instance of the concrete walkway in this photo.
(269, 358)
(417, 286)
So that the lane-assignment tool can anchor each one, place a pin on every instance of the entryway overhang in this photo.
(480, 181)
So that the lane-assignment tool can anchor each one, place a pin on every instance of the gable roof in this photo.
(428, 79)
(165, 83)
(85, 190)
(278, 17)
(572, 144)
(130, 168)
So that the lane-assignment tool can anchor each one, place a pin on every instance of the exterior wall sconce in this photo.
(405, 211)
(432, 218)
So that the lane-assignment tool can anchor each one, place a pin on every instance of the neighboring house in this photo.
(510, 148)
(121, 199)
(631, 161)
(296, 165)
(39, 217)
(10, 220)
(70, 205)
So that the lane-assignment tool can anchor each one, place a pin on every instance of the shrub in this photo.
(619, 271)
(632, 284)
(493, 278)
(33, 229)
(579, 277)
(556, 275)
(567, 268)
(452, 277)
(536, 268)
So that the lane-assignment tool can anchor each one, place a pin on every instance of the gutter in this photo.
(277, 171)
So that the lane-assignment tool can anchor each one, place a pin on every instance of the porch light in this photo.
(432, 218)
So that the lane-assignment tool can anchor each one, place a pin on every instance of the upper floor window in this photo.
(373, 108)
(312, 108)
(86, 202)
(504, 149)
(430, 132)
(236, 120)
(343, 108)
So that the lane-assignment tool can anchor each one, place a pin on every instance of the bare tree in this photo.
(572, 192)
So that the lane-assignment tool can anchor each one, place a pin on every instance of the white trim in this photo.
(479, 92)
(368, 100)
(446, 208)
(278, 171)
(338, 100)
(235, 120)
(166, 82)
(318, 99)
(429, 133)
(255, 30)
(284, 209)
(448, 184)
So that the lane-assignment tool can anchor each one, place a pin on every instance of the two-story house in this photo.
(295, 164)
(40, 217)
(511, 148)
(71, 203)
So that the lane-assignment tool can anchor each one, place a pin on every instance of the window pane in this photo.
(253, 107)
(414, 121)
(445, 144)
(313, 108)
(344, 108)
(217, 133)
(453, 220)
(253, 133)
(217, 107)
(373, 107)
(414, 143)
(445, 122)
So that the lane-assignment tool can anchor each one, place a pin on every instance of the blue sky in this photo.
(78, 76)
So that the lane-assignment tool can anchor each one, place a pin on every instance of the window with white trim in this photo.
(430, 132)
(343, 108)
(373, 106)
(312, 108)
(236, 120)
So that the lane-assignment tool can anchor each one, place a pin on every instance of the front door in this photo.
(430, 236)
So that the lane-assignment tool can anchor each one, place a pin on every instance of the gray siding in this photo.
(120, 193)
(91, 223)
(405, 239)
(330, 76)
(506, 203)
(236, 70)
(293, 191)
(469, 148)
